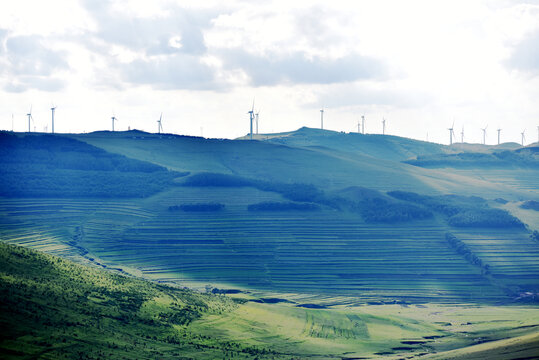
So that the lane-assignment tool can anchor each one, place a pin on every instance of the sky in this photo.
(421, 65)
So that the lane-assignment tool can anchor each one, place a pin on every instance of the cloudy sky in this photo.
(420, 64)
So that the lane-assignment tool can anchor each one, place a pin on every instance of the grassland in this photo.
(52, 308)
(365, 275)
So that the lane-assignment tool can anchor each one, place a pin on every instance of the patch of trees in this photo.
(198, 207)
(498, 159)
(530, 204)
(283, 206)
(485, 217)
(36, 181)
(294, 192)
(58, 152)
(55, 166)
(379, 210)
(376, 207)
(462, 211)
(535, 235)
(463, 249)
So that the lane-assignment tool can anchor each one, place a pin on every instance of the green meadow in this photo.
(309, 244)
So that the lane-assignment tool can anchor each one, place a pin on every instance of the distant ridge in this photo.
(388, 147)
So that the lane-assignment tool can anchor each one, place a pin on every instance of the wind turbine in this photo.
(451, 133)
(363, 124)
(499, 135)
(52, 110)
(322, 119)
(256, 118)
(383, 126)
(523, 137)
(484, 133)
(159, 124)
(358, 127)
(251, 118)
(29, 117)
(113, 120)
(462, 135)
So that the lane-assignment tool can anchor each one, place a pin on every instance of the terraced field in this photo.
(321, 255)
(513, 258)
(56, 226)
(524, 180)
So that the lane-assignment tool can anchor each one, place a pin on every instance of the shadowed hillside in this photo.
(55, 166)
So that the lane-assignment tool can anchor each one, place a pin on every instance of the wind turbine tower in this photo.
(113, 120)
(322, 119)
(451, 133)
(498, 130)
(383, 126)
(523, 137)
(462, 135)
(29, 117)
(251, 117)
(484, 133)
(52, 110)
(160, 124)
(363, 124)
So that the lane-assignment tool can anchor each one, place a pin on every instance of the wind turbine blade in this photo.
(253, 107)
(161, 116)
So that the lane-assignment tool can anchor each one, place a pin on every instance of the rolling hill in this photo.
(51, 308)
(314, 220)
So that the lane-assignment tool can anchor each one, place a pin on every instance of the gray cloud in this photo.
(178, 71)
(264, 70)
(525, 56)
(30, 64)
(160, 65)
(152, 35)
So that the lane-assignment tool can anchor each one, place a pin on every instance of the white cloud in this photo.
(418, 63)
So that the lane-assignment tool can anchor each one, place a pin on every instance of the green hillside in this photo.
(330, 244)
(388, 242)
(51, 308)
(54, 166)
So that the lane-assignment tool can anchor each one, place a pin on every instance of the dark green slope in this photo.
(527, 158)
(52, 309)
(41, 165)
